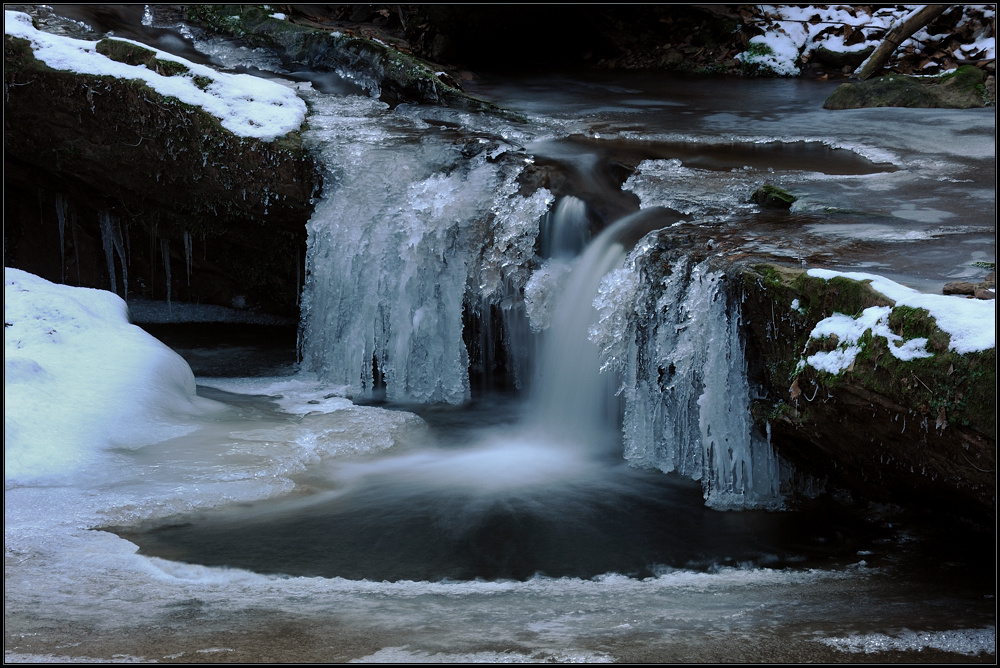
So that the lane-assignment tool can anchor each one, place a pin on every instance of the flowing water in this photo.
(520, 476)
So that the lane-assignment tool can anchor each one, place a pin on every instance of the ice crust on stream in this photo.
(75, 366)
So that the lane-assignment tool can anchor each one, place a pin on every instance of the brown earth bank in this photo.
(160, 181)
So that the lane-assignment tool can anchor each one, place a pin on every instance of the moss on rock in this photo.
(164, 168)
(772, 197)
(961, 89)
(133, 54)
(920, 430)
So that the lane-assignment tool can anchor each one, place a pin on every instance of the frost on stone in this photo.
(675, 338)
(694, 192)
(513, 232)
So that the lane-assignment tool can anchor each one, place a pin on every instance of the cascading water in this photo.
(416, 231)
(571, 397)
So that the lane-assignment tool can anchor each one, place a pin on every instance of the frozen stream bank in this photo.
(733, 586)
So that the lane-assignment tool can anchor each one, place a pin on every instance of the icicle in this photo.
(152, 261)
(188, 256)
(107, 238)
(111, 237)
(76, 246)
(676, 341)
(62, 215)
(122, 258)
(165, 249)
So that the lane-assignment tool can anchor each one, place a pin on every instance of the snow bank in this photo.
(80, 379)
(245, 105)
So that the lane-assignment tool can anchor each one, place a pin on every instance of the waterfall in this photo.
(567, 229)
(571, 397)
(420, 252)
(409, 236)
(668, 326)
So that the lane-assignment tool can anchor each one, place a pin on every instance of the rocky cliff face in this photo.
(92, 161)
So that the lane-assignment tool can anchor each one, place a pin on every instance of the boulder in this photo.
(964, 88)
(920, 432)
(772, 197)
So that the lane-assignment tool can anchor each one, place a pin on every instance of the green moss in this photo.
(772, 197)
(125, 52)
(918, 323)
(133, 54)
(958, 89)
(750, 64)
(837, 295)
(954, 387)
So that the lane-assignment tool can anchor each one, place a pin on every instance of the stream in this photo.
(437, 470)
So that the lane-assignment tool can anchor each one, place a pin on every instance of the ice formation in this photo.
(676, 342)
(404, 240)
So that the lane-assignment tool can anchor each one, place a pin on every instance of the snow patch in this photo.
(970, 322)
(79, 379)
(245, 105)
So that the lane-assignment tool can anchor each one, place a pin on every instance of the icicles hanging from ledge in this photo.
(394, 252)
(668, 327)
(111, 237)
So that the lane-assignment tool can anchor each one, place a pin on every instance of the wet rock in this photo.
(958, 288)
(985, 293)
(875, 429)
(391, 73)
(963, 89)
(772, 197)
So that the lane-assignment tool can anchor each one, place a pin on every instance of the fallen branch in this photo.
(897, 36)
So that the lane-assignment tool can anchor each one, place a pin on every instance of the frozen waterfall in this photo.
(668, 326)
(408, 233)
(422, 263)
